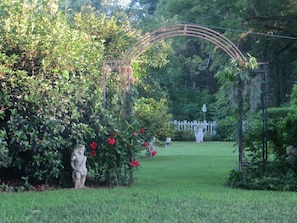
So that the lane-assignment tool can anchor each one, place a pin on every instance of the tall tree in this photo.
(274, 19)
(253, 26)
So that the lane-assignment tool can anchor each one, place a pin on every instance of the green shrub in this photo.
(51, 98)
(282, 132)
(183, 135)
(276, 173)
(34, 145)
(225, 130)
(112, 157)
(280, 112)
(264, 176)
(153, 115)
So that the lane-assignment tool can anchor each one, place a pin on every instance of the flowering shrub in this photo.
(154, 152)
(134, 163)
(145, 144)
(111, 141)
(51, 100)
(113, 157)
(93, 147)
(142, 131)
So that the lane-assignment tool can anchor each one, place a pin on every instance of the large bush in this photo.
(153, 115)
(51, 98)
(277, 172)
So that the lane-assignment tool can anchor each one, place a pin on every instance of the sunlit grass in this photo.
(183, 183)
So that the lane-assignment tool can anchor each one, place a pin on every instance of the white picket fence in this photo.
(192, 125)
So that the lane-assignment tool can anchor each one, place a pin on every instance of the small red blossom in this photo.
(134, 163)
(135, 134)
(93, 145)
(111, 141)
(142, 131)
(92, 152)
(154, 152)
(145, 144)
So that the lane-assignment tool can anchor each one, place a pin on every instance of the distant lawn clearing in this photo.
(183, 183)
(188, 166)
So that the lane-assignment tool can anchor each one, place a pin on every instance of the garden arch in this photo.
(124, 69)
(184, 30)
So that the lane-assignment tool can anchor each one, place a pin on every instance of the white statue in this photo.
(199, 134)
(168, 142)
(291, 152)
(78, 164)
(199, 131)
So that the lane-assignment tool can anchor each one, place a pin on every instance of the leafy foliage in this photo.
(113, 156)
(264, 176)
(251, 25)
(183, 135)
(50, 94)
(276, 173)
(153, 116)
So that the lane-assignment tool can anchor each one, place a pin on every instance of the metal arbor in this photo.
(184, 30)
(124, 69)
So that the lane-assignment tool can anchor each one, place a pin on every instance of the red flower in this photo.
(145, 144)
(93, 145)
(142, 131)
(135, 134)
(154, 152)
(111, 141)
(92, 152)
(134, 163)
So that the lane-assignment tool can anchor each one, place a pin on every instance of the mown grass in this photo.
(184, 183)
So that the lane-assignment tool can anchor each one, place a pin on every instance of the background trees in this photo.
(50, 72)
(255, 27)
(267, 31)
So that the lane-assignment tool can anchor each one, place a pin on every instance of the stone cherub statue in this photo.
(78, 164)
(291, 152)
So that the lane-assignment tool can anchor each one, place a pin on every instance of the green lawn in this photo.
(184, 183)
